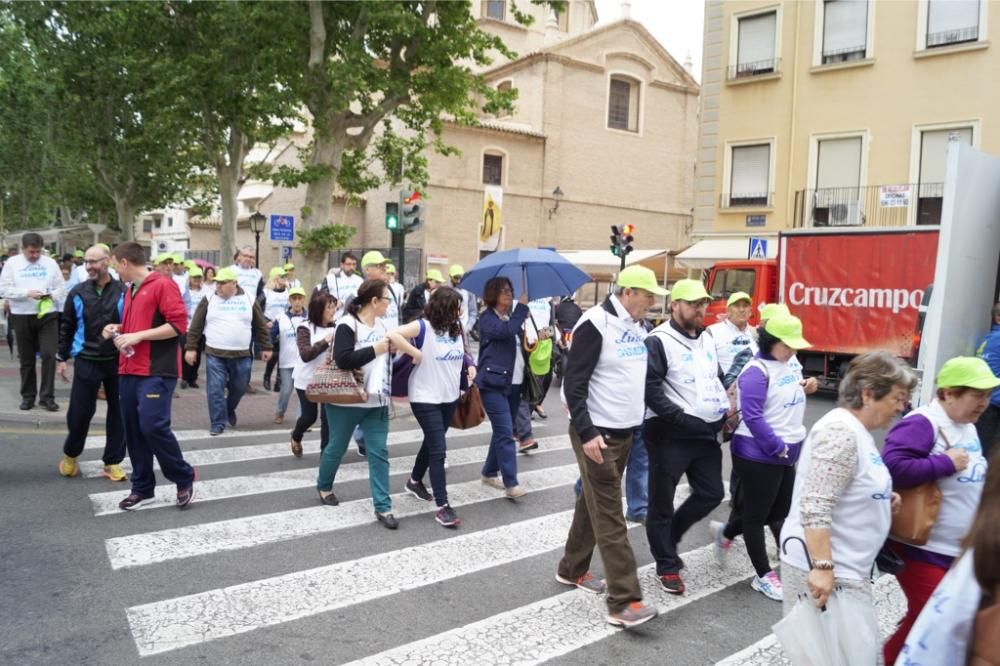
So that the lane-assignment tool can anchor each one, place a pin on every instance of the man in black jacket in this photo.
(90, 306)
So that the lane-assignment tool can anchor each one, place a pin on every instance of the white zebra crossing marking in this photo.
(207, 538)
(106, 503)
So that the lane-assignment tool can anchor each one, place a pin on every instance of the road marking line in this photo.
(207, 538)
(106, 503)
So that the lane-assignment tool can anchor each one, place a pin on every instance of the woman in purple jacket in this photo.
(938, 442)
(766, 445)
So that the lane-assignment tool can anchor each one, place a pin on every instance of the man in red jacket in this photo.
(148, 365)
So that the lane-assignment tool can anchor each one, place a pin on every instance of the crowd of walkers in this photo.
(827, 495)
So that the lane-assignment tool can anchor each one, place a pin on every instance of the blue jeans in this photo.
(287, 386)
(225, 373)
(522, 421)
(145, 404)
(434, 420)
(636, 477)
(502, 456)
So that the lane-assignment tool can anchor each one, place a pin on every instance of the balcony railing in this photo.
(871, 206)
(948, 37)
(844, 55)
(746, 70)
(746, 200)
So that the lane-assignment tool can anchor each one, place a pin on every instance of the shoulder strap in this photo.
(947, 443)
(420, 336)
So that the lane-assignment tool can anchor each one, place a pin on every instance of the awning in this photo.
(705, 253)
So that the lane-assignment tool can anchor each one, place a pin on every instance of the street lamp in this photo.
(257, 221)
(557, 195)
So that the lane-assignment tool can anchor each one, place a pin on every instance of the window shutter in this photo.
(750, 170)
(845, 26)
(756, 39)
(934, 151)
(618, 104)
(838, 163)
(950, 21)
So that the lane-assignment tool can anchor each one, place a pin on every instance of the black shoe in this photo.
(277, 385)
(362, 451)
(27, 404)
(185, 495)
(388, 520)
(184, 384)
(193, 385)
(232, 419)
(133, 500)
(267, 384)
(418, 490)
(50, 405)
(329, 500)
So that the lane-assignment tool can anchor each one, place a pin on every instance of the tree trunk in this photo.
(327, 151)
(229, 188)
(126, 219)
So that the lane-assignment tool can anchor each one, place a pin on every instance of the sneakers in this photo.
(114, 472)
(636, 518)
(388, 520)
(493, 482)
(185, 495)
(632, 615)
(721, 544)
(769, 585)
(296, 449)
(515, 491)
(586, 582)
(362, 451)
(133, 501)
(526, 445)
(447, 517)
(217, 430)
(232, 418)
(672, 583)
(68, 467)
(418, 490)
(279, 418)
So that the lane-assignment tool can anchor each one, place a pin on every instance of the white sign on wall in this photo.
(894, 196)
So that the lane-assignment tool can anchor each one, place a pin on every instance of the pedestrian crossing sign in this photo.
(757, 249)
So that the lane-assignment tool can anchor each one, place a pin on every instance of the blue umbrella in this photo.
(547, 273)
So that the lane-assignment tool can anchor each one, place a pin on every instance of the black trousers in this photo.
(670, 459)
(87, 379)
(308, 411)
(767, 497)
(988, 427)
(37, 336)
(269, 368)
(189, 373)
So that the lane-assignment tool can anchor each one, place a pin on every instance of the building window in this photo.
(845, 30)
(749, 179)
(756, 45)
(492, 169)
(495, 9)
(505, 86)
(837, 199)
(147, 225)
(930, 186)
(170, 221)
(952, 22)
(563, 18)
(623, 104)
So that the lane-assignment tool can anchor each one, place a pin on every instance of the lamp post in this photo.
(557, 196)
(257, 221)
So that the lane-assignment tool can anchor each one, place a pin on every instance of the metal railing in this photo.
(746, 200)
(844, 55)
(745, 70)
(947, 37)
(870, 206)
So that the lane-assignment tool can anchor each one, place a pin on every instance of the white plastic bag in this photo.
(856, 629)
(803, 635)
(845, 634)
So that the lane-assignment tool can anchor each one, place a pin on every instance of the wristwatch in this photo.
(825, 565)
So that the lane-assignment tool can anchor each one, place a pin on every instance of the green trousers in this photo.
(375, 423)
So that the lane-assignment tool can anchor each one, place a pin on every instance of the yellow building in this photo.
(835, 113)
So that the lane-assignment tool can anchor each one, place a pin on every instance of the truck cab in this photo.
(759, 278)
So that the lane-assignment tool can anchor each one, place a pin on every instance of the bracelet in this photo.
(824, 565)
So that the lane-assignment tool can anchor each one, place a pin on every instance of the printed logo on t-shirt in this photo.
(876, 459)
(33, 272)
(886, 494)
(974, 474)
(629, 345)
(971, 447)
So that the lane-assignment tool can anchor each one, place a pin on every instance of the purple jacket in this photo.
(764, 446)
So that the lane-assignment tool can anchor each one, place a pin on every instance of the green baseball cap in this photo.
(277, 271)
(640, 277)
(107, 248)
(178, 258)
(788, 329)
(195, 272)
(771, 310)
(390, 267)
(189, 264)
(435, 274)
(689, 290)
(297, 291)
(226, 274)
(289, 266)
(164, 257)
(371, 258)
(739, 296)
(967, 371)
(78, 253)
(456, 270)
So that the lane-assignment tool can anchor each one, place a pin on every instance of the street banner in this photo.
(491, 222)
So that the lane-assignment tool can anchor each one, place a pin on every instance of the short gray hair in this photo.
(878, 372)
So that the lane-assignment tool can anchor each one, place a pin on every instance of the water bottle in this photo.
(129, 351)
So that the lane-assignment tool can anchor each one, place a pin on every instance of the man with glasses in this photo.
(90, 306)
(607, 354)
(687, 405)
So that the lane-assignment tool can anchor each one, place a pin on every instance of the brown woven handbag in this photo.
(918, 511)
(335, 386)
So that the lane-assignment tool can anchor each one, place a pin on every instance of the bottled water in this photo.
(129, 351)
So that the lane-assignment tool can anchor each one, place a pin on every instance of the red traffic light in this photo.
(414, 196)
(628, 229)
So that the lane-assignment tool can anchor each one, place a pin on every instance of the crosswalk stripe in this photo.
(580, 618)
(172, 624)
(231, 454)
(890, 606)
(226, 535)
(106, 503)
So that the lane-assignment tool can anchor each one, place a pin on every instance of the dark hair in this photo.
(491, 293)
(317, 306)
(368, 290)
(210, 268)
(442, 311)
(957, 391)
(984, 535)
(766, 341)
(131, 252)
(348, 255)
(31, 239)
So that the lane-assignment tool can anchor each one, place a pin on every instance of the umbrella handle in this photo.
(784, 548)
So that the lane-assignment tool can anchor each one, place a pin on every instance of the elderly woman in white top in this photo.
(843, 501)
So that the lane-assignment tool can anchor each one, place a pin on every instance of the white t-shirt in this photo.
(304, 370)
(275, 302)
(435, 380)
(288, 347)
(197, 296)
(229, 322)
(21, 276)
(248, 279)
(344, 287)
(692, 382)
(730, 341)
(785, 405)
(541, 314)
(377, 371)
(391, 317)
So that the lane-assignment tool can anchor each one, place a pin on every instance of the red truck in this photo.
(855, 290)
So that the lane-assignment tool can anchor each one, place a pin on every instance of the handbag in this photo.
(919, 510)
(469, 411)
(887, 561)
(402, 368)
(336, 386)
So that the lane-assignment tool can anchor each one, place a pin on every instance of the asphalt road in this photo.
(257, 572)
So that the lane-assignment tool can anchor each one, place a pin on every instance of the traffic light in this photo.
(627, 239)
(392, 216)
(616, 240)
(621, 241)
(411, 209)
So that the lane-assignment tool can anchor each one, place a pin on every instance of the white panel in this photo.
(934, 148)
(948, 15)
(838, 163)
(751, 165)
(757, 35)
(845, 25)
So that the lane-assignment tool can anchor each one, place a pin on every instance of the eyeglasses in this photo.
(506, 290)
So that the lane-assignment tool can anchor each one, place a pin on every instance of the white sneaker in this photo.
(720, 544)
(769, 585)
